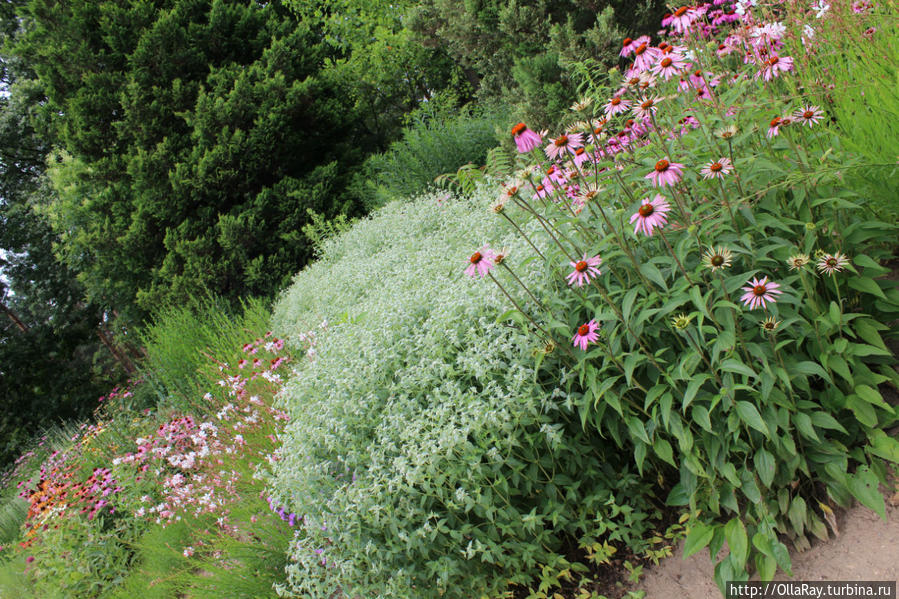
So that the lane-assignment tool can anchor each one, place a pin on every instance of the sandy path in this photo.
(867, 549)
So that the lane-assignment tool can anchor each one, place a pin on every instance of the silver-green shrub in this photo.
(425, 452)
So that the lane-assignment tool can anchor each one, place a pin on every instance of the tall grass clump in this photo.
(727, 303)
(179, 341)
(439, 137)
(854, 76)
(426, 452)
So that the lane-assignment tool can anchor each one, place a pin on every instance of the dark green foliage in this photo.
(196, 136)
(438, 138)
(517, 51)
(52, 364)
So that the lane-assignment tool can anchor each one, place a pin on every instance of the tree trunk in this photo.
(121, 358)
(12, 316)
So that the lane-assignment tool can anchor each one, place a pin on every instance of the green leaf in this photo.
(867, 262)
(698, 538)
(812, 368)
(796, 514)
(868, 330)
(839, 365)
(884, 446)
(749, 414)
(663, 450)
(864, 412)
(766, 567)
(872, 396)
(651, 272)
(735, 533)
(864, 486)
(804, 426)
(637, 430)
(866, 285)
(734, 365)
(701, 417)
(765, 466)
(692, 387)
(627, 303)
(699, 301)
(825, 420)
(763, 544)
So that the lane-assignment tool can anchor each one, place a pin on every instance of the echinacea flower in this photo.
(759, 292)
(831, 263)
(584, 269)
(717, 169)
(669, 66)
(797, 261)
(586, 334)
(644, 108)
(616, 105)
(651, 214)
(481, 262)
(681, 321)
(525, 139)
(809, 115)
(564, 144)
(774, 127)
(770, 324)
(665, 173)
(583, 104)
(717, 258)
(726, 132)
(682, 18)
(774, 66)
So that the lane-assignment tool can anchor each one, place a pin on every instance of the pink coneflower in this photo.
(481, 262)
(669, 66)
(583, 270)
(682, 18)
(809, 115)
(586, 334)
(616, 105)
(774, 127)
(831, 263)
(665, 173)
(717, 169)
(627, 46)
(644, 57)
(646, 107)
(580, 156)
(525, 139)
(774, 66)
(651, 214)
(566, 143)
(758, 292)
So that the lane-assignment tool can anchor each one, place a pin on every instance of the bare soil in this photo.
(867, 549)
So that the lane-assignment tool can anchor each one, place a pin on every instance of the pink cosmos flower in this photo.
(481, 262)
(717, 169)
(758, 292)
(525, 139)
(651, 214)
(665, 173)
(586, 334)
(616, 105)
(584, 269)
(564, 144)
(808, 115)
